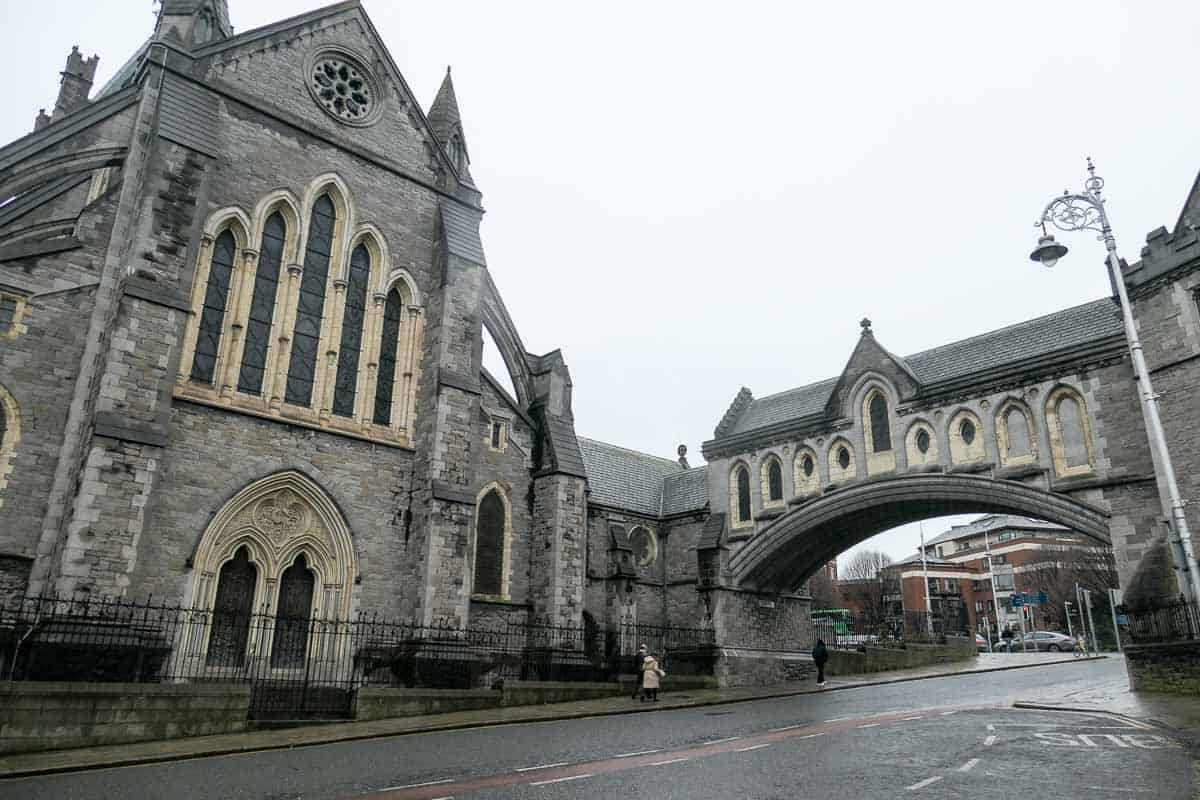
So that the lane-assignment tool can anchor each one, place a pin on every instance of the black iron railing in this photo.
(1165, 621)
(851, 630)
(305, 668)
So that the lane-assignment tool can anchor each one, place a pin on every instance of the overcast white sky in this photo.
(689, 197)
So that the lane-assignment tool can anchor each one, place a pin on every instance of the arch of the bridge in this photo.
(785, 553)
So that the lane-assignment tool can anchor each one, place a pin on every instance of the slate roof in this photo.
(915, 558)
(1033, 338)
(461, 226)
(623, 478)
(995, 523)
(567, 456)
(710, 534)
(685, 491)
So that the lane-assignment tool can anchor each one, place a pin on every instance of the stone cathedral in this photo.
(242, 292)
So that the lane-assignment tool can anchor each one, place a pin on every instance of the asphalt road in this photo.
(940, 738)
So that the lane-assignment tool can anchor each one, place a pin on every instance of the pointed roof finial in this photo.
(866, 326)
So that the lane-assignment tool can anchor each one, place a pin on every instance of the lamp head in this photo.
(1048, 251)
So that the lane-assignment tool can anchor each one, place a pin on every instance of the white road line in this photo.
(543, 766)
(969, 765)
(948, 713)
(924, 783)
(837, 719)
(870, 725)
(991, 727)
(639, 753)
(909, 719)
(784, 728)
(668, 761)
(813, 735)
(562, 780)
(447, 797)
(989, 741)
(718, 741)
(415, 785)
(752, 747)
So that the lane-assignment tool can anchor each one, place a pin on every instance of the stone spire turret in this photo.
(446, 122)
(193, 23)
(73, 91)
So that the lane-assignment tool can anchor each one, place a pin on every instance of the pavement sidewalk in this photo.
(24, 764)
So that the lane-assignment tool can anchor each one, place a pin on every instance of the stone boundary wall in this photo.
(883, 659)
(384, 703)
(740, 667)
(1172, 668)
(37, 715)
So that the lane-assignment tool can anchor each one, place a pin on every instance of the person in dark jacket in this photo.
(1007, 636)
(642, 652)
(820, 655)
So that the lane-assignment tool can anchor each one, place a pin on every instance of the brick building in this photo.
(242, 297)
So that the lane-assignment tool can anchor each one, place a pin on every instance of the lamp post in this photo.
(1085, 212)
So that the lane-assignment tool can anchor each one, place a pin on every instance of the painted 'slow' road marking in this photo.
(639, 753)
(417, 785)
(543, 766)
(668, 761)
(924, 783)
(718, 741)
(948, 713)
(991, 727)
(812, 735)
(837, 719)
(562, 780)
(784, 728)
(870, 725)
(909, 719)
(969, 765)
(752, 747)
(989, 741)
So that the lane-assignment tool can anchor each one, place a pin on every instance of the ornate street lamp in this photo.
(1085, 212)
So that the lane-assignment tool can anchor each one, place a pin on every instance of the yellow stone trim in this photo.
(806, 484)
(1058, 447)
(1003, 442)
(915, 456)
(765, 481)
(20, 309)
(836, 473)
(885, 460)
(12, 435)
(960, 451)
(735, 520)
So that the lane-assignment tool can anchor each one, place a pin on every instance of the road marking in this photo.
(991, 727)
(752, 747)
(639, 753)
(812, 735)
(416, 785)
(909, 719)
(969, 765)
(989, 741)
(447, 797)
(837, 719)
(948, 713)
(924, 783)
(543, 766)
(784, 728)
(870, 725)
(668, 761)
(718, 741)
(562, 780)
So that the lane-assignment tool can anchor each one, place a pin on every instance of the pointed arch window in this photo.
(741, 500)
(881, 430)
(293, 612)
(346, 386)
(310, 308)
(772, 479)
(491, 518)
(212, 318)
(1072, 433)
(262, 305)
(387, 358)
(232, 611)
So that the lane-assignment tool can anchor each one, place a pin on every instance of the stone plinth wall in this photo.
(737, 667)
(38, 715)
(1172, 668)
(882, 659)
(381, 703)
(528, 693)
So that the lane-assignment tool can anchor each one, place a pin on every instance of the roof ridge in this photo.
(796, 389)
(1013, 326)
(630, 450)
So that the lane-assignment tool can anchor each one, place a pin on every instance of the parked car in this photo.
(1039, 641)
(980, 643)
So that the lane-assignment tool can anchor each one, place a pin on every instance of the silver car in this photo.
(1044, 641)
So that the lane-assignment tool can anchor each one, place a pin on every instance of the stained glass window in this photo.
(352, 327)
(262, 306)
(881, 430)
(292, 619)
(387, 358)
(774, 481)
(489, 544)
(743, 494)
(310, 307)
(231, 612)
(212, 318)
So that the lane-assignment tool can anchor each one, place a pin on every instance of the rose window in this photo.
(343, 88)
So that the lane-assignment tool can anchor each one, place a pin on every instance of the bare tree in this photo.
(865, 564)
(1057, 572)
(820, 587)
(861, 583)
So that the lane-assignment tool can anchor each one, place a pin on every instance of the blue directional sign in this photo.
(1018, 599)
(1042, 598)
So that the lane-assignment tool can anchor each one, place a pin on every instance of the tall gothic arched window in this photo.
(212, 318)
(774, 488)
(392, 310)
(346, 385)
(310, 308)
(1017, 426)
(1070, 422)
(290, 643)
(262, 305)
(881, 429)
(489, 545)
(741, 507)
(232, 611)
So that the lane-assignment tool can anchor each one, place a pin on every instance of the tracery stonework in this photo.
(282, 516)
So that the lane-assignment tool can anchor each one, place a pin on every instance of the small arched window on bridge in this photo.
(807, 465)
(967, 431)
(772, 481)
(804, 472)
(881, 429)
(923, 441)
(740, 499)
(1014, 435)
(843, 458)
(1070, 432)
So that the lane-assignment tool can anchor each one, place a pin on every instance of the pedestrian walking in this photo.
(651, 674)
(820, 655)
(1007, 636)
(642, 652)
